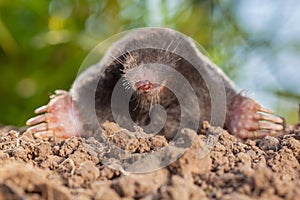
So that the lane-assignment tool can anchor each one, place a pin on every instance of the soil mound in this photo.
(73, 168)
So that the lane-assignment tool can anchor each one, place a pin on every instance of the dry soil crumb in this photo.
(74, 169)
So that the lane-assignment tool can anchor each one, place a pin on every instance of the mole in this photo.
(151, 67)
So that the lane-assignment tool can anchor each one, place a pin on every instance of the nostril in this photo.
(143, 86)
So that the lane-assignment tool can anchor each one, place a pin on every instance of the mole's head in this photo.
(148, 85)
(144, 77)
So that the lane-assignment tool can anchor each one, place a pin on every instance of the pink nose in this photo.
(144, 86)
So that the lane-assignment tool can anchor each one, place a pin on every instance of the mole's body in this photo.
(152, 65)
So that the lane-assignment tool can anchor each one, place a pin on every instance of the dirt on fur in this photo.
(73, 168)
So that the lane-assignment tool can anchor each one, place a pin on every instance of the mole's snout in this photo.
(144, 86)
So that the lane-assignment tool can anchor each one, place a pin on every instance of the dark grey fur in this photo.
(92, 90)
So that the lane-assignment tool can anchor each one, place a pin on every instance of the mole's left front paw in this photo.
(248, 120)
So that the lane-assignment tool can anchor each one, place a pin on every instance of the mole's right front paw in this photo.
(56, 119)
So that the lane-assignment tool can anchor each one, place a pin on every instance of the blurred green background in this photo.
(43, 43)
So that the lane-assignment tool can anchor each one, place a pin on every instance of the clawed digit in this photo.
(54, 119)
(248, 120)
(268, 121)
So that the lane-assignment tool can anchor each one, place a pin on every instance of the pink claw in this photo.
(56, 119)
(248, 120)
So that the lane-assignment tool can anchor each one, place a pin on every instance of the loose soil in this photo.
(74, 168)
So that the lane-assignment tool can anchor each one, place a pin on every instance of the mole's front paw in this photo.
(56, 119)
(248, 120)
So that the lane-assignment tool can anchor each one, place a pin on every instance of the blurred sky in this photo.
(276, 66)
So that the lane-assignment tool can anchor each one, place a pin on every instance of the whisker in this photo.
(117, 59)
(129, 61)
(151, 102)
(167, 49)
(137, 104)
(176, 46)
